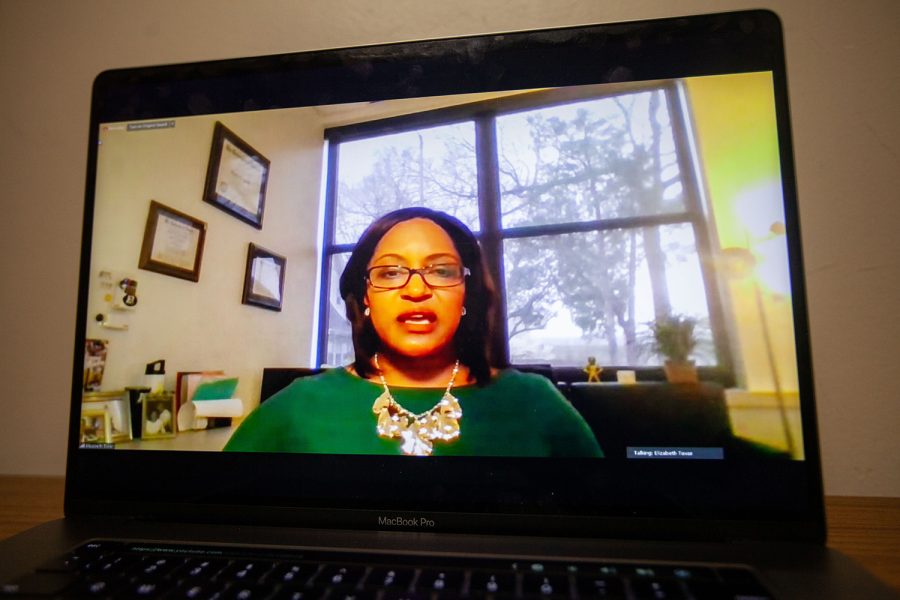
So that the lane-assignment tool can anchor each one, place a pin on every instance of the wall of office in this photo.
(841, 61)
(202, 325)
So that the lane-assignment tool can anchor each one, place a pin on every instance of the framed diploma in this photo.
(264, 278)
(173, 243)
(236, 177)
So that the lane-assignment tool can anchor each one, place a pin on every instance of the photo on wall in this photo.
(173, 243)
(264, 278)
(237, 177)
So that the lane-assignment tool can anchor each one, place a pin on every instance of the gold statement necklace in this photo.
(418, 431)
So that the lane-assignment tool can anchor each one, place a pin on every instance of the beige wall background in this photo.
(191, 325)
(842, 64)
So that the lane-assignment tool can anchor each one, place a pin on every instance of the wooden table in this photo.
(866, 529)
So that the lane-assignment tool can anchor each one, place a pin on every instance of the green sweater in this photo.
(516, 414)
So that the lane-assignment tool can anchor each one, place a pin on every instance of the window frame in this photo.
(491, 234)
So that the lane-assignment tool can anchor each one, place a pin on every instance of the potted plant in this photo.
(674, 339)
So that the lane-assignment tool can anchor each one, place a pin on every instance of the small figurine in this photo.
(593, 371)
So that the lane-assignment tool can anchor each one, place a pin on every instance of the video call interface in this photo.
(634, 235)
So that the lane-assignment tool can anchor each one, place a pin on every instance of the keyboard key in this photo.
(332, 575)
(643, 572)
(689, 573)
(654, 589)
(602, 570)
(600, 587)
(98, 547)
(292, 573)
(352, 594)
(545, 585)
(247, 571)
(385, 577)
(241, 591)
(196, 590)
(291, 592)
(146, 588)
(440, 581)
(97, 587)
(67, 563)
(492, 583)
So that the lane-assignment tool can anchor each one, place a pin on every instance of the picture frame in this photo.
(264, 278)
(173, 243)
(96, 426)
(158, 416)
(236, 177)
(95, 352)
(118, 406)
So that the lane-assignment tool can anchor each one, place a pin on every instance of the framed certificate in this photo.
(236, 178)
(264, 278)
(173, 243)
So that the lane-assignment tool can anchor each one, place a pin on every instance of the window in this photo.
(583, 201)
(432, 167)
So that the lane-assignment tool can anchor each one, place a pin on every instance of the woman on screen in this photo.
(420, 303)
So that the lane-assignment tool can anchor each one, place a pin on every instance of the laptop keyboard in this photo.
(111, 569)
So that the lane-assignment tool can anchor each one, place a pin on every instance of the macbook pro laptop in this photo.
(631, 187)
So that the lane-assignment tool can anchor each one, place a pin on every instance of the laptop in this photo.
(631, 190)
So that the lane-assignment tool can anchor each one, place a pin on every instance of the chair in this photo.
(276, 379)
(543, 369)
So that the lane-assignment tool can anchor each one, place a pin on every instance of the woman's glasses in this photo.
(393, 277)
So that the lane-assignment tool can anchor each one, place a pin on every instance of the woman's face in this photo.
(416, 320)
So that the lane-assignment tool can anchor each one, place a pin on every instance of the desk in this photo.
(866, 529)
(207, 440)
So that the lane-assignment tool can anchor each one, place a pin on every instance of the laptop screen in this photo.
(427, 276)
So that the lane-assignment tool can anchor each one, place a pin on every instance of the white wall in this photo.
(842, 64)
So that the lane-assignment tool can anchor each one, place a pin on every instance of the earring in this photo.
(367, 312)
(464, 311)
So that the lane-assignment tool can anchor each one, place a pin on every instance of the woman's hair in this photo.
(473, 337)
